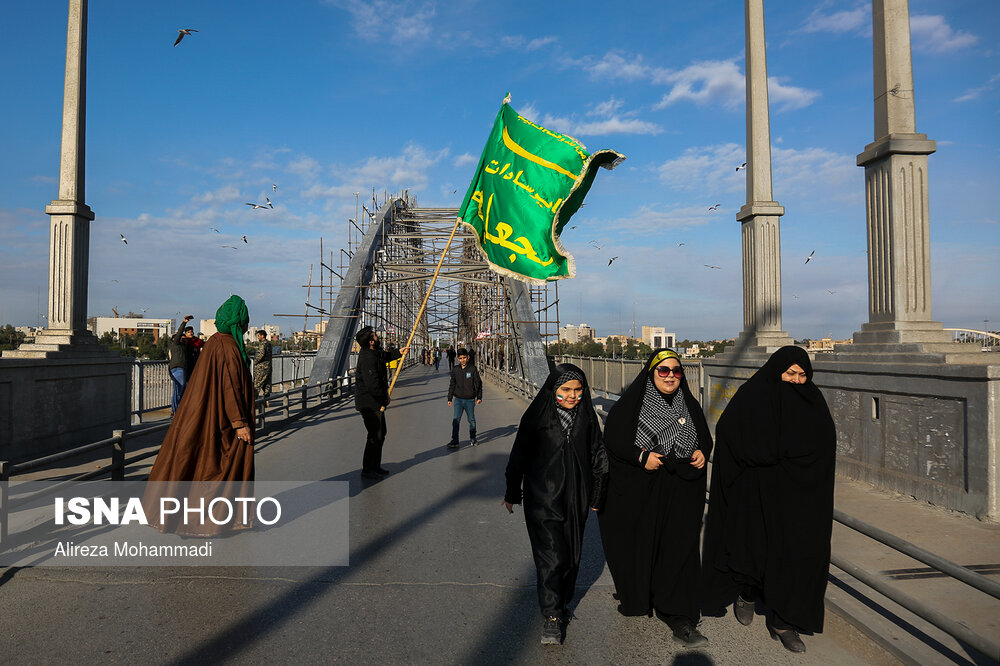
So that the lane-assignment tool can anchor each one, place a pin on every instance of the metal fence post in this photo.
(284, 406)
(4, 478)
(118, 455)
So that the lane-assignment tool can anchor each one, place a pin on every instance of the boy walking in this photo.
(466, 391)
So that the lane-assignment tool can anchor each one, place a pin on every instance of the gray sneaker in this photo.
(551, 633)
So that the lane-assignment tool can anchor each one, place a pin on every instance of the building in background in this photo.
(656, 336)
(133, 326)
(573, 333)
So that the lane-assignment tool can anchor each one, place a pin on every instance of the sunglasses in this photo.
(664, 371)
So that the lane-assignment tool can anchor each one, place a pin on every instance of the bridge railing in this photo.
(152, 387)
(282, 405)
(612, 376)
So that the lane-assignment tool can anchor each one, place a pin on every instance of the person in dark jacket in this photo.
(181, 364)
(770, 513)
(465, 391)
(371, 397)
(558, 457)
(657, 442)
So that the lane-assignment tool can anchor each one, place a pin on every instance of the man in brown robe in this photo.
(211, 437)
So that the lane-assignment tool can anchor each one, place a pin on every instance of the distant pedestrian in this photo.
(211, 436)
(437, 358)
(770, 513)
(559, 458)
(262, 366)
(465, 391)
(451, 358)
(180, 360)
(371, 397)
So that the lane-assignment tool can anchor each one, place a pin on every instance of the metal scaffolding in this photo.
(469, 305)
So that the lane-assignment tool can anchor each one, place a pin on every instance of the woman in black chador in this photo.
(770, 514)
(559, 457)
(657, 442)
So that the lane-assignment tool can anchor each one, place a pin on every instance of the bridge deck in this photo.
(439, 572)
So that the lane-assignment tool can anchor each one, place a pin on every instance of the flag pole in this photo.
(399, 366)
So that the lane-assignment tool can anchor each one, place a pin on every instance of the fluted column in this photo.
(896, 194)
(760, 217)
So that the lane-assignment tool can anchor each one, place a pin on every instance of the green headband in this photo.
(659, 358)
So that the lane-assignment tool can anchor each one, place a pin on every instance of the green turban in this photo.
(232, 318)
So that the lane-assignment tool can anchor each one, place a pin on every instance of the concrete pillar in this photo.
(760, 217)
(896, 197)
(69, 222)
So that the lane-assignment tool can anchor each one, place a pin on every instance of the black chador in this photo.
(771, 506)
(559, 457)
(651, 521)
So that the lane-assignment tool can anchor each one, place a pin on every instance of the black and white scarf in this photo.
(665, 427)
(567, 417)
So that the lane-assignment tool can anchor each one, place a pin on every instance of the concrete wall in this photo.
(49, 405)
(931, 431)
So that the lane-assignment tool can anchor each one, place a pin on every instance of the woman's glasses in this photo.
(664, 371)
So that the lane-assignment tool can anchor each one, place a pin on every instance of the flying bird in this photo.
(680, 245)
(715, 207)
(274, 186)
(795, 295)
(114, 280)
(831, 291)
(215, 230)
(809, 258)
(245, 239)
(710, 266)
(611, 260)
(453, 191)
(269, 204)
(124, 240)
(183, 32)
(594, 243)
(741, 167)
(231, 246)
(255, 206)
(573, 227)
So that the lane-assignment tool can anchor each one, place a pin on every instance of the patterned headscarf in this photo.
(233, 318)
(567, 417)
(665, 424)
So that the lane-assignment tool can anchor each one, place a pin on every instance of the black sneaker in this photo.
(688, 634)
(371, 475)
(382, 471)
(551, 633)
(452, 445)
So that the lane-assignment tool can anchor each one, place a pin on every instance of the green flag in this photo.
(529, 183)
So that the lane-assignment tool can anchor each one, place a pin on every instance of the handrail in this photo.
(327, 391)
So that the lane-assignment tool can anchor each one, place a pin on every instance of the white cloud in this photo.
(858, 20)
(615, 125)
(932, 33)
(721, 82)
(607, 108)
(523, 43)
(465, 159)
(708, 169)
(398, 19)
(408, 170)
(225, 194)
(304, 166)
(611, 120)
(614, 66)
(976, 93)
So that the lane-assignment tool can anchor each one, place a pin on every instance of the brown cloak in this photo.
(201, 444)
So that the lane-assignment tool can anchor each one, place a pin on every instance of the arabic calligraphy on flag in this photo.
(529, 182)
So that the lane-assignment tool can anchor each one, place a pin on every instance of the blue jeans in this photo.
(467, 405)
(179, 377)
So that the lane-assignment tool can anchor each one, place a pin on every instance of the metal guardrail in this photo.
(986, 645)
(152, 386)
(297, 399)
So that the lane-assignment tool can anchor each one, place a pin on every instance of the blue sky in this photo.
(328, 98)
